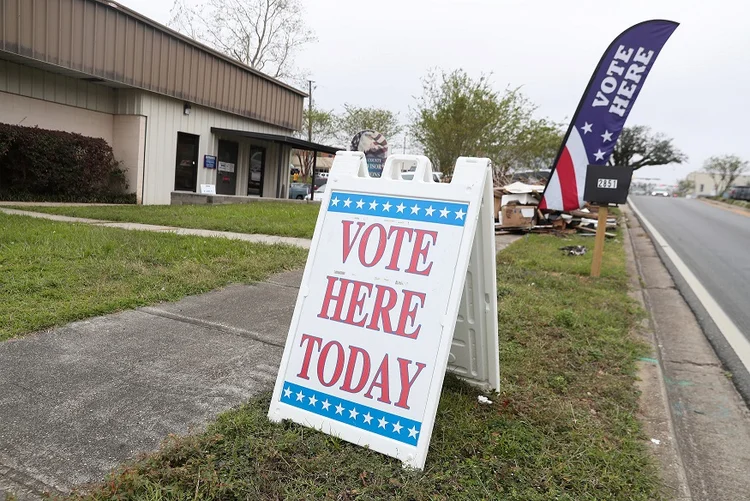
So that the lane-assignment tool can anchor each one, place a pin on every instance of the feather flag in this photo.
(602, 112)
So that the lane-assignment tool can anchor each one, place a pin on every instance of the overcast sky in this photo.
(374, 54)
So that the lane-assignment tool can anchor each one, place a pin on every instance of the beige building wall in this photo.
(165, 118)
(705, 184)
(30, 112)
(140, 126)
(129, 147)
(35, 83)
(33, 97)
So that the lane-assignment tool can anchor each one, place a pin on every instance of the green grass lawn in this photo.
(562, 428)
(52, 273)
(270, 218)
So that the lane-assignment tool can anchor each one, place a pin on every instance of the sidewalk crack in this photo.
(255, 336)
(697, 364)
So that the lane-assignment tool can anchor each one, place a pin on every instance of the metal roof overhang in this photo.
(299, 144)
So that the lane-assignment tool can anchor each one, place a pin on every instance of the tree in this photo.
(457, 115)
(355, 119)
(263, 34)
(638, 147)
(322, 123)
(536, 145)
(685, 186)
(724, 170)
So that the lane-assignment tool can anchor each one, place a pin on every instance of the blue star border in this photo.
(345, 411)
(411, 209)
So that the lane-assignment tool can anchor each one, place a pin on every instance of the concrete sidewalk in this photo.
(79, 400)
(247, 237)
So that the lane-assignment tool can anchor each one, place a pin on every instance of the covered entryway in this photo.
(266, 172)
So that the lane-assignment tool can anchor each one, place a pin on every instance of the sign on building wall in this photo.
(208, 189)
(226, 167)
(373, 327)
(209, 161)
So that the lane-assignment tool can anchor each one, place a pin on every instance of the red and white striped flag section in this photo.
(602, 112)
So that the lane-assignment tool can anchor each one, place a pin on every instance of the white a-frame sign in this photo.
(399, 287)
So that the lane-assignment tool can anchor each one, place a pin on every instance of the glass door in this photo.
(257, 170)
(226, 168)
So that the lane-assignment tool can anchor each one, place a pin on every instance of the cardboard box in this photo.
(518, 216)
(496, 212)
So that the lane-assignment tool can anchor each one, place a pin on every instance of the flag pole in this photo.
(601, 229)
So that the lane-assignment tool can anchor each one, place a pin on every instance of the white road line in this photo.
(731, 333)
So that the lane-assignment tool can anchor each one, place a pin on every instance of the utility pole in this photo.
(405, 134)
(309, 110)
(309, 138)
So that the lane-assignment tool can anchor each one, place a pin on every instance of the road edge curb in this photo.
(672, 463)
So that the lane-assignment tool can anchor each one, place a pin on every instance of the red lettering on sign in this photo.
(339, 363)
(338, 299)
(421, 251)
(423, 241)
(400, 232)
(382, 241)
(381, 313)
(406, 382)
(349, 242)
(333, 357)
(362, 305)
(311, 340)
(357, 302)
(381, 381)
(363, 376)
(410, 314)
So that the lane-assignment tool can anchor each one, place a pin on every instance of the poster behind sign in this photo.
(226, 167)
(375, 148)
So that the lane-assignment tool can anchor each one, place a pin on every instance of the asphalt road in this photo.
(713, 242)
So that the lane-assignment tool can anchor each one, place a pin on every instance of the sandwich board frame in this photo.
(465, 314)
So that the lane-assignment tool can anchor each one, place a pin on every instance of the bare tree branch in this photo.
(264, 34)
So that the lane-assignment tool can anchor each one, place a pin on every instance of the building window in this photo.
(701, 188)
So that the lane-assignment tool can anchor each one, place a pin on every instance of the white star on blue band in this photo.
(411, 209)
(354, 414)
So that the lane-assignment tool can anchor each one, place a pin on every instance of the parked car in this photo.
(739, 193)
(408, 176)
(436, 176)
(318, 193)
(299, 190)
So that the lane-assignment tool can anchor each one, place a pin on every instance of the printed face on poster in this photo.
(363, 358)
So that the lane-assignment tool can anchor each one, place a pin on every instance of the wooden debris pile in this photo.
(517, 210)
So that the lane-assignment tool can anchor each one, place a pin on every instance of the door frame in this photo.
(197, 139)
(264, 151)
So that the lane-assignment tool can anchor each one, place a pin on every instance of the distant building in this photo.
(176, 113)
(706, 184)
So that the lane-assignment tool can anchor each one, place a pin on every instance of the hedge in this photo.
(38, 164)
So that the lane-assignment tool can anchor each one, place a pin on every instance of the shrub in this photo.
(40, 164)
